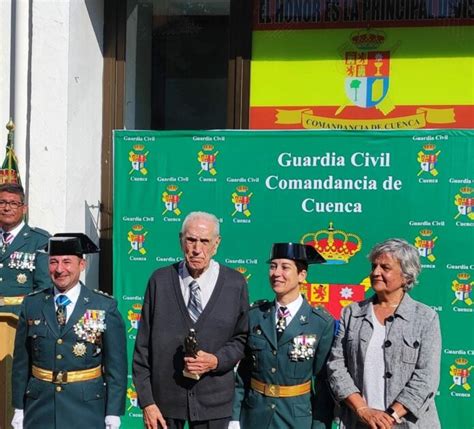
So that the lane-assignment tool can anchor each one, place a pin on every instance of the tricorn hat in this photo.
(70, 243)
(296, 252)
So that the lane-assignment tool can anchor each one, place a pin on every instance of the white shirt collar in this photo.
(14, 232)
(292, 307)
(204, 278)
(72, 294)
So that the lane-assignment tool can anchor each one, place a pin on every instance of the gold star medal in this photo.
(21, 278)
(79, 349)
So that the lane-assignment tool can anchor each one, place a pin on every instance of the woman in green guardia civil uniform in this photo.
(281, 383)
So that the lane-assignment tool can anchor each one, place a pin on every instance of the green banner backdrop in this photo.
(339, 191)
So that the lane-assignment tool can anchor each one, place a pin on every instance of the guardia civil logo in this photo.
(464, 203)
(428, 160)
(138, 159)
(134, 316)
(243, 270)
(207, 160)
(136, 237)
(460, 371)
(425, 242)
(171, 198)
(462, 289)
(132, 397)
(367, 69)
(241, 198)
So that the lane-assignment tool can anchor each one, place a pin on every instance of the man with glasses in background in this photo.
(192, 332)
(22, 268)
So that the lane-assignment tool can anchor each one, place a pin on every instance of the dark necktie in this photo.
(62, 302)
(194, 303)
(283, 313)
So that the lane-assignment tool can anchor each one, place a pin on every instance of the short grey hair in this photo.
(405, 253)
(200, 215)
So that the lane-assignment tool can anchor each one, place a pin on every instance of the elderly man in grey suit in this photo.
(208, 300)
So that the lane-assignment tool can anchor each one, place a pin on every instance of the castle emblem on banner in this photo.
(336, 246)
(134, 316)
(460, 371)
(136, 238)
(464, 202)
(132, 397)
(462, 289)
(241, 200)
(428, 158)
(207, 159)
(171, 198)
(138, 158)
(425, 244)
(367, 69)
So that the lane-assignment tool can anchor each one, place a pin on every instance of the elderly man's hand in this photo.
(152, 418)
(375, 419)
(204, 362)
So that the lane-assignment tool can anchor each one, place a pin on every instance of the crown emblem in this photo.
(137, 306)
(426, 232)
(365, 40)
(207, 147)
(466, 190)
(172, 188)
(131, 394)
(137, 228)
(242, 188)
(138, 147)
(335, 245)
(463, 276)
(461, 361)
(241, 270)
(429, 147)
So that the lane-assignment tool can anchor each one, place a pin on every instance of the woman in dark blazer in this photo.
(384, 365)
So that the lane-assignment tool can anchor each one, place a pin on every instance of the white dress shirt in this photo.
(292, 307)
(207, 281)
(73, 295)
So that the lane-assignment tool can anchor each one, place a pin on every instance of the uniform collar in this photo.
(15, 231)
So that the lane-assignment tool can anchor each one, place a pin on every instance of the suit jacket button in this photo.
(390, 319)
(59, 356)
(388, 343)
(60, 341)
(273, 370)
(58, 388)
(274, 352)
(388, 374)
(272, 406)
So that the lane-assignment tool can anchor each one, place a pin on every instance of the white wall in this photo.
(64, 130)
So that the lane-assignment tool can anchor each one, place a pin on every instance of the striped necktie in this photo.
(7, 238)
(194, 303)
(62, 301)
(283, 313)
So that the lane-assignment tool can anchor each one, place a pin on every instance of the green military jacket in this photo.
(22, 268)
(41, 342)
(275, 362)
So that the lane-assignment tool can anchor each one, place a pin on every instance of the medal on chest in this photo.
(303, 348)
(91, 326)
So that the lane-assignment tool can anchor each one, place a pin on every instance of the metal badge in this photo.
(21, 278)
(79, 349)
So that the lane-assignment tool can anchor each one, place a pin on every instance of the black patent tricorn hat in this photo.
(70, 243)
(296, 252)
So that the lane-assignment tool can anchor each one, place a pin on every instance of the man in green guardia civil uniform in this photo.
(69, 363)
(281, 383)
(22, 268)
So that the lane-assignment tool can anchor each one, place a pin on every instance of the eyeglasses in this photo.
(12, 204)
